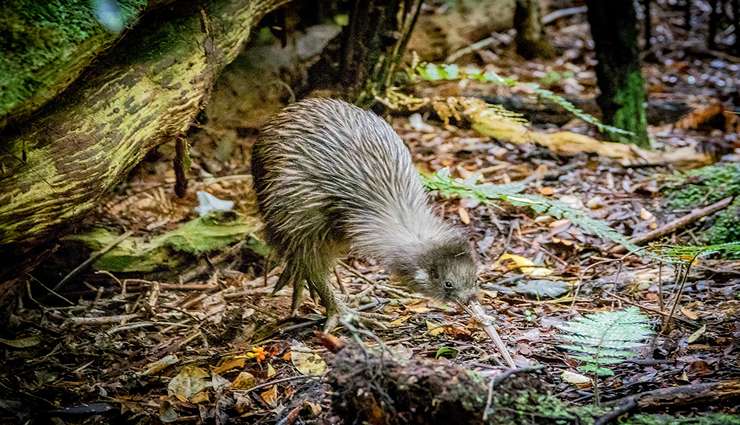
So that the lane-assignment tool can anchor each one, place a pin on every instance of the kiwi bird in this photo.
(332, 178)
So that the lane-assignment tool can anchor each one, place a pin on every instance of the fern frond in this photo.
(451, 72)
(688, 253)
(447, 186)
(606, 338)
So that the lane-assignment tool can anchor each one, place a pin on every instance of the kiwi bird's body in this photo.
(331, 177)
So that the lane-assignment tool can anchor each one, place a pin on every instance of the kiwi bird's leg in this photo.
(339, 281)
(297, 298)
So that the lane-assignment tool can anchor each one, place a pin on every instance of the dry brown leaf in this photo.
(270, 396)
(230, 364)
(243, 381)
(463, 213)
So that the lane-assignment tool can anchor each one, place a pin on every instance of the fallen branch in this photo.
(677, 224)
(372, 387)
(681, 396)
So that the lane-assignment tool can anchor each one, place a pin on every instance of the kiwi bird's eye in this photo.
(448, 284)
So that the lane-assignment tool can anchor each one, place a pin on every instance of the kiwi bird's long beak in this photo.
(474, 309)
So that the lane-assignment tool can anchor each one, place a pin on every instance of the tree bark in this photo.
(145, 92)
(46, 45)
(373, 44)
(531, 41)
(623, 98)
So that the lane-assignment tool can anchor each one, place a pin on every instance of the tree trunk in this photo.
(373, 44)
(531, 41)
(145, 92)
(622, 99)
(46, 46)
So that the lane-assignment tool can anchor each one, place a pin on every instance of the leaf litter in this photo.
(207, 340)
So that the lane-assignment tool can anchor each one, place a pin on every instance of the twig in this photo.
(652, 310)
(679, 292)
(94, 257)
(476, 311)
(276, 381)
(679, 396)
(562, 13)
(53, 292)
(195, 272)
(103, 320)
(677, 224)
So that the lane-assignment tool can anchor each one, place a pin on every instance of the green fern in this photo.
(447, 72)
(602, 339)
(449, 187)
(687, 253)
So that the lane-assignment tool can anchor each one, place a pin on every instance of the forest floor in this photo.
(208, 340)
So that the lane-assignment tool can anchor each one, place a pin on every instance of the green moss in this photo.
(201, 235)
(631, 115)
(45, 44)
(705, 186)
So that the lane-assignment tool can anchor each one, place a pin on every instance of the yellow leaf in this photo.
(398, 322)
(524, 265)
(434, 329)
(463, 213)
(270, 396)
(243, 381)
(308, 363)
(546, 191)
(230, 364)
(270, 371)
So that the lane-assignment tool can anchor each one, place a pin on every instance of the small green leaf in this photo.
(447, 352)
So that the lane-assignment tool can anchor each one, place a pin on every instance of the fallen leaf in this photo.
(270, 371)
(689, 314)
(646, 215)
(696, 335)
(308, 363)
(243, 381)
(464, 215)
(575, 378)
(270, 396)
(159, 365)
(190, 381)
(542, 288)
(230, 364)
(434, 328)
(398, 322)
(524, 265)
(26, 342)
(546, 191)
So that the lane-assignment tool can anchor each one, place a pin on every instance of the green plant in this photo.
(602, 339)
(445, 185)
(447, 72)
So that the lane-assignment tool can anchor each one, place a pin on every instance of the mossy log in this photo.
(142, 93)
(373, 387)
(46, 45)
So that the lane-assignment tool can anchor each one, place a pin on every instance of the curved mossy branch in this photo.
(45, 46)
(147, 90)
